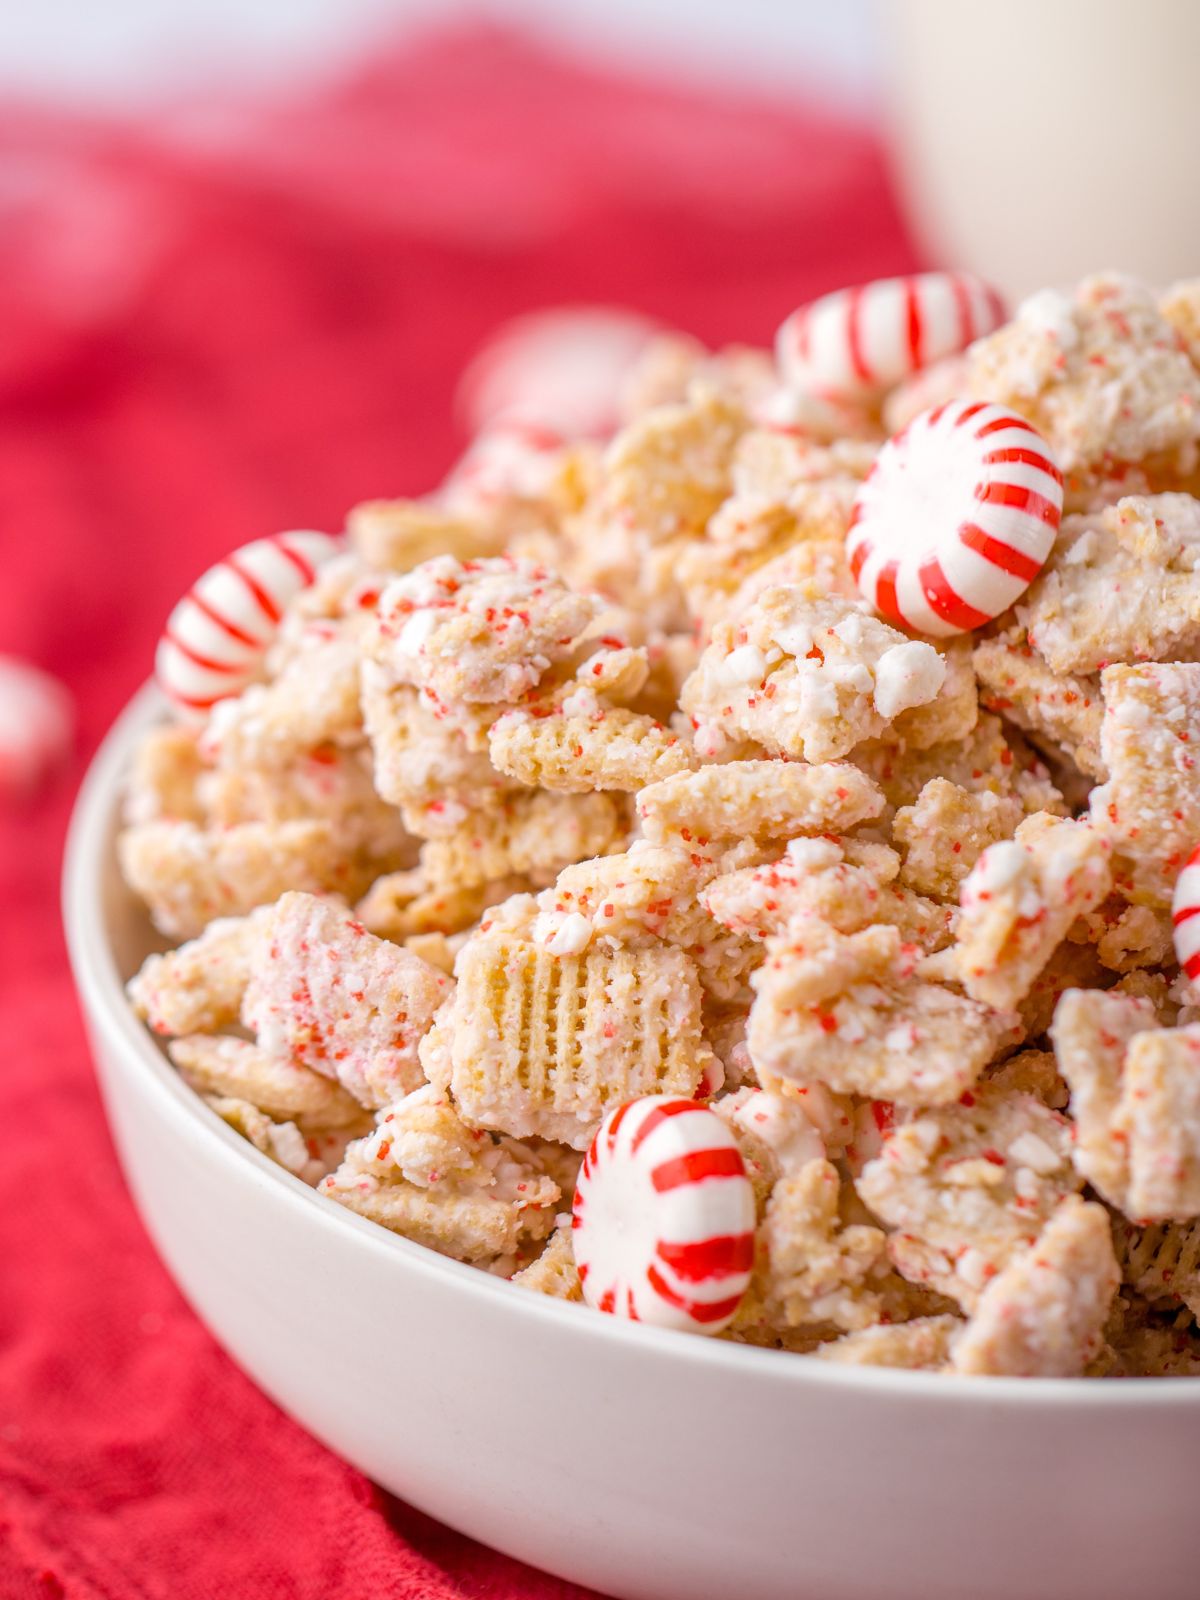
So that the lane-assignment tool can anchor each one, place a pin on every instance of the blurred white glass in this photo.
(1037, 140)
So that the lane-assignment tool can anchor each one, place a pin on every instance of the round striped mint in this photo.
(37, 727)
(956, 518)
(1185, 916)
(564, 367)
(664, 1217)
(216, 637)
(861, 341)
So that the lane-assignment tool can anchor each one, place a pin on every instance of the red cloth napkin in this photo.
(245, 319)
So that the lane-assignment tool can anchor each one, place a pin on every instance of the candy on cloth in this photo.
(282, 1089)
(198, 988)
(850, 1011)
(1060, 712)
(1185, 916)
(188, 876)
(945, 831)
(594, 747)
(955, 519)
(1150, 807)
(328, 994)
(757, 799)
(1135, 1098)
(566, 367)
(858, 341)
(37, 728)
(1044, 1314)
(396, 535)
(1161, 1261)
(1019, 901)
(536, 1043)
(553, 1273)
(922, 1345)
(215, 638)
(1101, 374)
(810, 679)
(663, 1217)
(424, 1174)
(967, 1185)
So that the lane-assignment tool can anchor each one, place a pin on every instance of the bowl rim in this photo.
(102, 993)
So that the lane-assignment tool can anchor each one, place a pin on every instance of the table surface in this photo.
(245, 319)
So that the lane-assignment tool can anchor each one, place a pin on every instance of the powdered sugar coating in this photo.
(799, 677)
(329, 994)
(478, 632)
(691, 822)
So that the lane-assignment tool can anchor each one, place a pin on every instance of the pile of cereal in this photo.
(785, 799)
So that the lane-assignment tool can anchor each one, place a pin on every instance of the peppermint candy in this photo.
(37, 727)
(664, 1217)
(1185, 916)
(564, 368)
(858, 342)
(216, 637)
(956, 518)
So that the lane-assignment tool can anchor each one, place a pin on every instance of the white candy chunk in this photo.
(907, 675)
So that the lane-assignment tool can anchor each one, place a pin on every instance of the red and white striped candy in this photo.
(564, 367)
(37, 727)
(216, 637)
(664, 1217)
(956, 518)
(1185, 915)
(860, 341)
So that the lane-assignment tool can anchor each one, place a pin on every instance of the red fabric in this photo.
(233, 324)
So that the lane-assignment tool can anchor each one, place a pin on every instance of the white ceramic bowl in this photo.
(650, 1465)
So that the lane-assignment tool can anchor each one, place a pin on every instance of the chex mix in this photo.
(728, 856)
